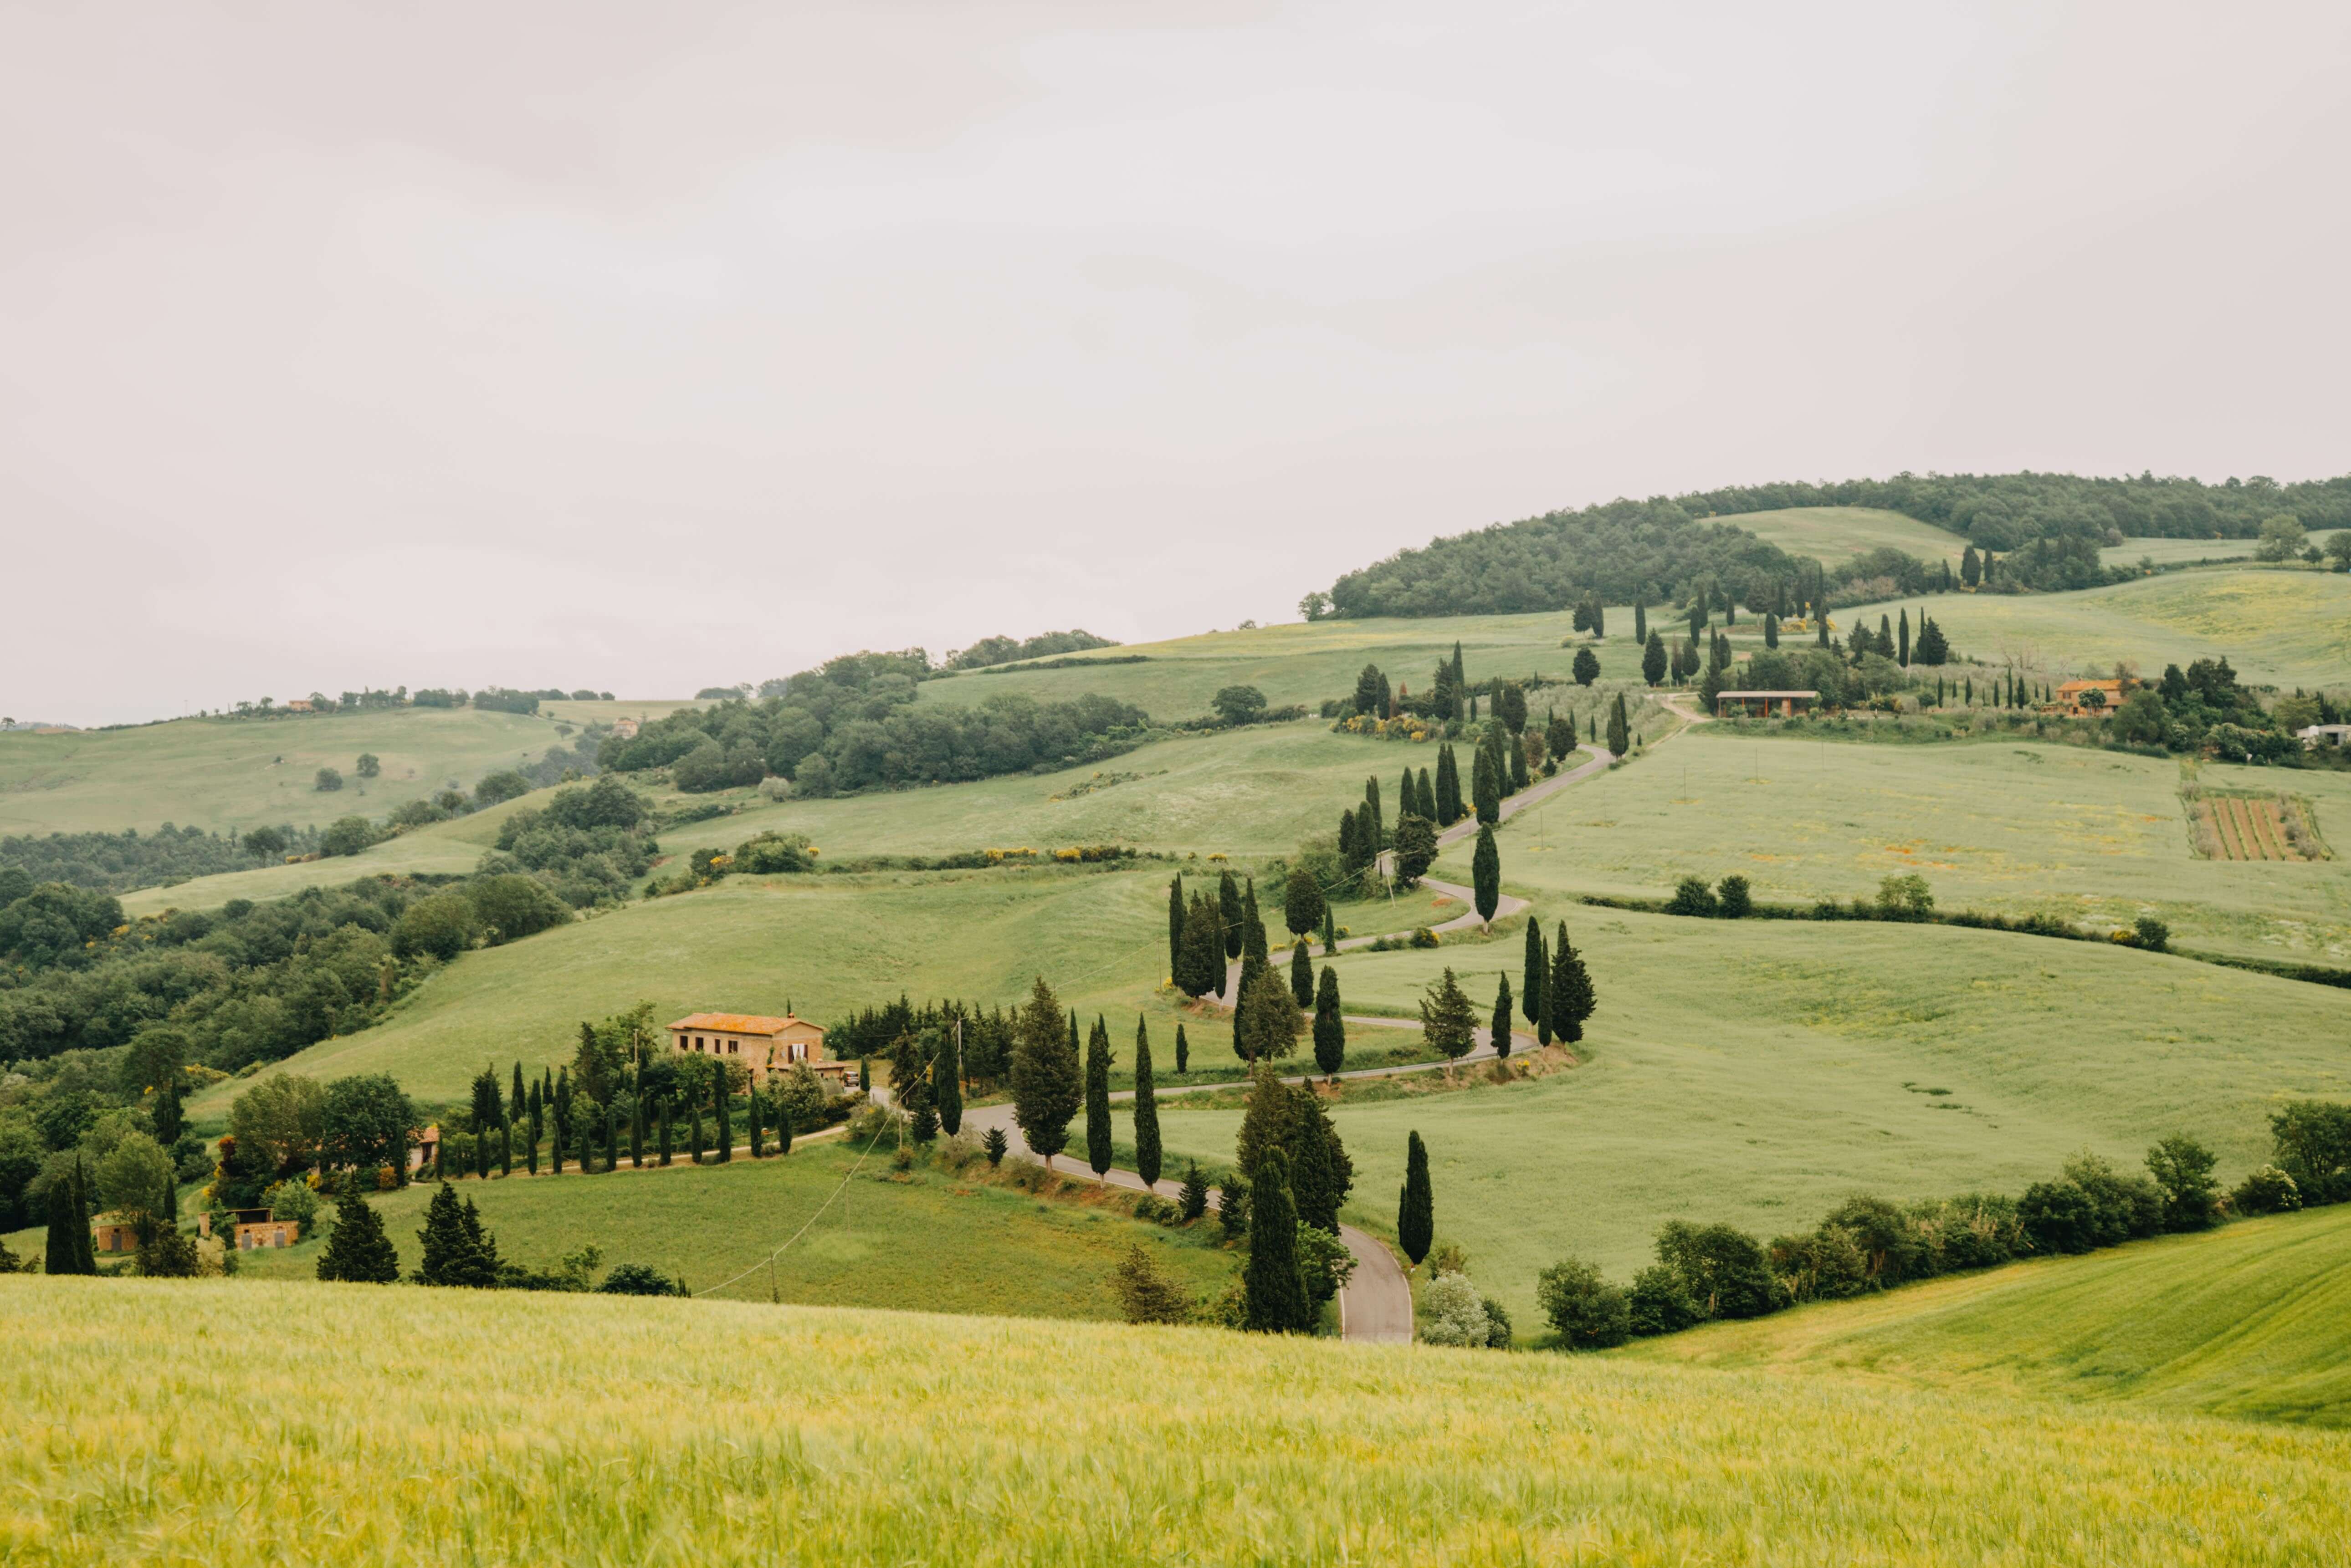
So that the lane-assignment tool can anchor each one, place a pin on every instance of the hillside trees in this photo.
(1486, 873)
(1230, 913)
(1200, 967)
(1568, 995)
(1046, 1076)
(1330, 1028)
(1301, 901)
(1274, 1291)
(1146, 1107)
(1098, 1128)
(1301, 974)
(1654, 664)
(1448, 787)
(1415, 1205)
(1416, 848)
(1619, 727)
(1266, 1019)
(358, 1251)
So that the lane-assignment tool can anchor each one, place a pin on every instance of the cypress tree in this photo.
(1486, 790)
(358, 1251)
(694, 1135)
(1902, 648)
(724, 1107)
(947, 1081)
(751, 1115)
(1351, 845)
(1543, 1023)
(1177, 915)
(1448, 787)
(1047, 1084)
(1572, 998)
(1329, 931)
(1330, 1028)
(59, 1255)
(1485, 872)
(637, 1129)
(587, 1151)
(1183, 1052)
(85, 1244)
(1228, 910)
(1823, 628)
(1253, 946)
(1620, 736)
(665, 1145)
(1416, 1206)
(169, 1119)
(1146, 1108)
(1771, 630)
(1301, 974)
(505, 1147)
(1301, 901)
(1377, 839)
(1640, 618)
(1408, 795)
(1200, 969)
(1500, 1027)
(1519, 779)
(1098, 1150)
(514, 1096)
(783, 1128)
(1536, 969)
(1273, 1286)
(1427, 797)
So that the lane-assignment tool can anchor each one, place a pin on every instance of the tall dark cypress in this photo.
(1500, 1026)
(1098, 1150)
(169, 1117)
(587, 1150)
(1273, 1285)
(85, 1244)
(1301, 974)
(947, 1079)
(725, 1126)
(1407, 795)
(637, 1130)
(1330, 1028)
(694, 1135)
(1146, 1107)
(1427, 797)
(1902, 646)
(1377, 839)
(1329, 932)
(783, 1128)
(506, 1147)
(1229, 909)
(1620, 736)
(1535, 970)
(515, 1096)
(1416, 1206)
(612, 1138)
(1253, 944)
(1640, 619)
(1486, 790)
(1183, 1052)
(59, 1255)
(1176, 914)
(666, 1148)
(1448, 787)
(1486, 873)
(751, 1115)
(1573, 997)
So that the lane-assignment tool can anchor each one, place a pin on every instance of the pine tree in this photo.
(1330, 1027)
(1046, 1080)
(1573, 997)
(457, 1251)
(1652, 659)
(1177, 917)
(358, 1251)
(725, 1128)
(1486, 873)
(1416, 1206)
(1229, 911)
(1253, 944)
(947, 1081)
(1447, 1020)
(1535, 970)
(1193, 1201)
(1183, 1052)
(1301, 974)
(1146, 1108)
(1273, 1285)
(667, 1148)
(1499, 1028)
(1620, 738)
(1098, 1149)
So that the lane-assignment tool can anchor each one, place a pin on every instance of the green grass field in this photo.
(1833, 534)
(2247, 1323)
(358, 1425)
(924, 1239)
(224, 773)
(2285, 627)
(1760, 1072)
(2166, 553)
(2095, 836)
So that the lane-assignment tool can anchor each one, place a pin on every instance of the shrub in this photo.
(1724, 1268)
(2314, 1146)
(1422, 936)
(772, 853)
(2182, 1169)
(327, 778)
(1455, 1311)
(1586, 1310)
(1691, 896)
(348, 836)
(2266, 1190)
(1144, 1295)
(1660, 1304)
(1736, 903)
(505, 784)
(513, 906)
(1904, 898)
(293, 1199)
(2151, 933)
(440, 927)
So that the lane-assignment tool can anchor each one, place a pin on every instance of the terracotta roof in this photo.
(1764, 693)
(737, 1023)
(2086, 685)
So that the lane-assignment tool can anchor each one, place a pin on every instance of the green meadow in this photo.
(244, 1420)
(2098, 837)
(2171, 552)
(1833, 534)
(867, 1235)
(1759, 1072)
(2247, 1323)
(219, 774)
(2282, 626)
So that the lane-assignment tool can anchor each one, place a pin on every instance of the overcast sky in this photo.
(650, 346)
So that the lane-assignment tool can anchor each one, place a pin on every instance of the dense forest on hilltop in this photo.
(2049, 526)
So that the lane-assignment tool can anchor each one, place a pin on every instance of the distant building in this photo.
(2072, 698)
(113, 1233)
(768, 1048)
(1763, 704)
(424, 1147)
(624, 729)
(256, 1228)
(2318, 735)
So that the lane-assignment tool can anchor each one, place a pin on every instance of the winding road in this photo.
(1375, 1307)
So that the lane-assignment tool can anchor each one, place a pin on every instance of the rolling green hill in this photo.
(584, 1428)
(2246, 1322)
(2283, 627)
(1760, 1072)
(1833, 534)
(245, 773)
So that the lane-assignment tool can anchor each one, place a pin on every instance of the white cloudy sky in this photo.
(647, 347)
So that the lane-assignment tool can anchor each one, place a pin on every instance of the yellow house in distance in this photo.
(767, 1047)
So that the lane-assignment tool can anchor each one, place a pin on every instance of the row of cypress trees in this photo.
(1556, 994)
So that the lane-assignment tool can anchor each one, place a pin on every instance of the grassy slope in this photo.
(221, 773)
(923, 1240)
(574, 1429)
(2164, 552)
(2092, 835)
(2288, 627)
(1837, 534)
(1760, 1072)
(2247, 1321)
